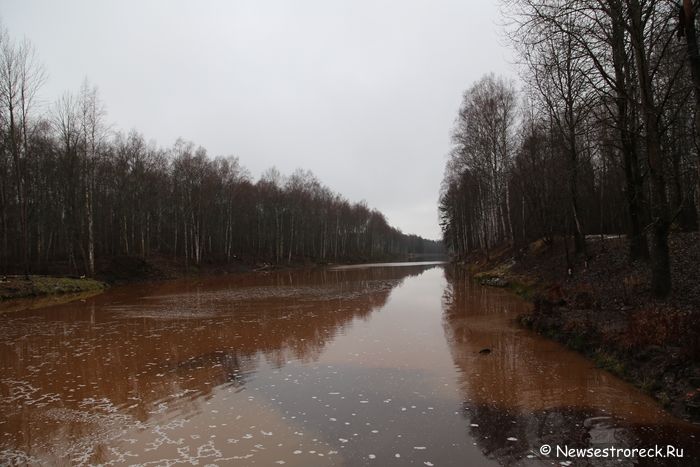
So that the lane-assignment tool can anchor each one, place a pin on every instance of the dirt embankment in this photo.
(56, 284)
(605, 309)
(14, 287)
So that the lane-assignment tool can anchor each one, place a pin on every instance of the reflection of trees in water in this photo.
(235, 370)
(510, 436)
(525, 391)
(96, 350)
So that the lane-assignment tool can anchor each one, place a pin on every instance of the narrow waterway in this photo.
(370, 365)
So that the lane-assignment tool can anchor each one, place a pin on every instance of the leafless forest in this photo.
(603, 138)
(73, 191)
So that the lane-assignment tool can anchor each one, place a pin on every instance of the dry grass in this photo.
(12, 287)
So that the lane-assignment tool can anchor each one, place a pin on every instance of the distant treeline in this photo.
(72, 192)
(602, 140)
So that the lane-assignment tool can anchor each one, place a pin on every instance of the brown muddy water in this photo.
(374, 365)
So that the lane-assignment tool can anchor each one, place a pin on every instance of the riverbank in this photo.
(605, 310)
(19, 292)
(33, 286)
(56, 286)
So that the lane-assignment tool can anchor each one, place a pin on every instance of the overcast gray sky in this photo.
(362, 93)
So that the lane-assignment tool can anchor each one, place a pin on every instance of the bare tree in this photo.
(73, 194)
(559, 73)
(484, 140)
(21, 76)
(688, 27)
(649, 29)
(93, 132)
(67, 127)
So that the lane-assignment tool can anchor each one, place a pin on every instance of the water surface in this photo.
(374, 365)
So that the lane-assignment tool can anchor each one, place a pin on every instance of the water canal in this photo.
(369, 365)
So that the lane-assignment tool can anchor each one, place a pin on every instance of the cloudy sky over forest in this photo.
(362, 93)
